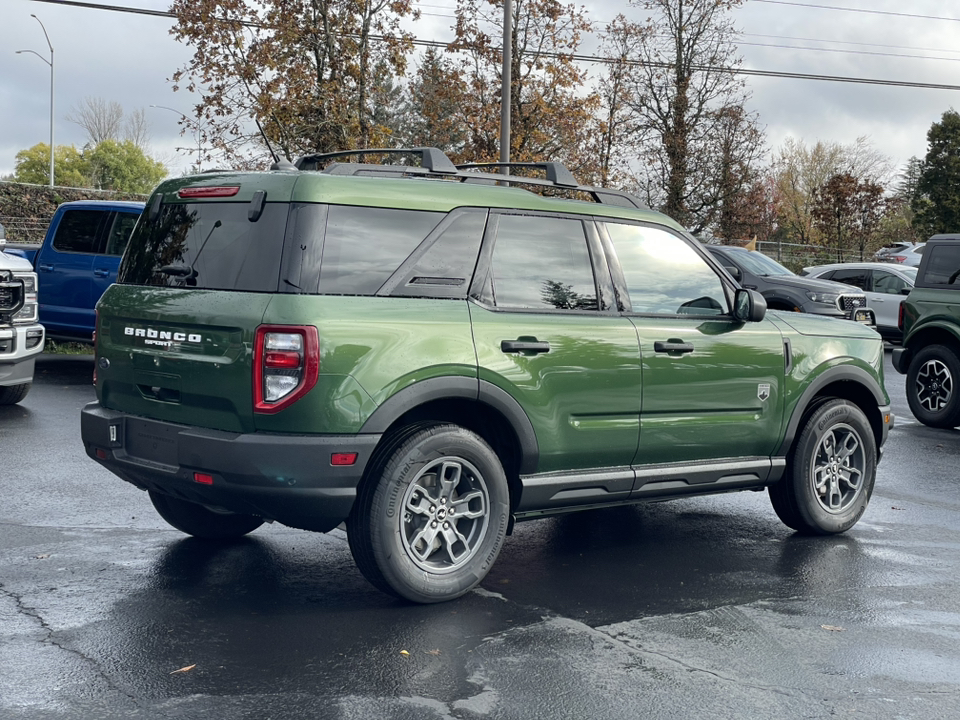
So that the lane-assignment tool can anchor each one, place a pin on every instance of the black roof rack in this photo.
(431, 158)
(557, 173)
(435, 163)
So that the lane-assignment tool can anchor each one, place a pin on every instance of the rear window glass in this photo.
(78, 231)
(207, 245)
(943, 266)
(363, 247)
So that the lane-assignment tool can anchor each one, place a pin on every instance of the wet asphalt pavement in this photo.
(703, 608)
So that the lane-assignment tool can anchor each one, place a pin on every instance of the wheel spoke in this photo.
(455, 544)
(849, 445)
(449, 478)
(469, 505)
(423, 543)
(420, 503)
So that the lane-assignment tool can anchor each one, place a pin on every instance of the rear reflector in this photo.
(343, 458)
(101, 453)
(207, 192)
(275, 359)
(203, 478)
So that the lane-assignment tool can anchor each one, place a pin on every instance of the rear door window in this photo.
(542, 263)
(79, 231)
(210, 245)
(853, 276)
(119, 234)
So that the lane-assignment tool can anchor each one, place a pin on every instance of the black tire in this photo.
(202, 522)
(933, 386)
(830, 471)
(12, 394)
(405, 532)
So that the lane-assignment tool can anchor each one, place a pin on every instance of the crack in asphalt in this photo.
(49, 639)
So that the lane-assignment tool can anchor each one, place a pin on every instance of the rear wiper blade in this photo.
(177, 270)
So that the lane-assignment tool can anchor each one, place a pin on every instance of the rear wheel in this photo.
(830, 471)
(933, 386)
(432, 515)
(202, 522)
(12, 394)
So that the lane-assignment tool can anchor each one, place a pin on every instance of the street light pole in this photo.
(199, 136)
(50, 63)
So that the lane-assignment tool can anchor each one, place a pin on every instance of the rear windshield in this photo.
(210, 245)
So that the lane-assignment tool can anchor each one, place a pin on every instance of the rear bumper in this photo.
(287, 478)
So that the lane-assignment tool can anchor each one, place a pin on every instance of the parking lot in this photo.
(687, 609)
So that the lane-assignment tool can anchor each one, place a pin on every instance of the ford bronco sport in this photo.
(930, 321)
(429, 353)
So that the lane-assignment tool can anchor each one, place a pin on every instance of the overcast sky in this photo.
(128, 59)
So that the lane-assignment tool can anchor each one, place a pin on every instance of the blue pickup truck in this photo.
(77, 261)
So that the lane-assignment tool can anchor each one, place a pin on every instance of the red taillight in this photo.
(898, 258)
(900, 318)
(203, 478)
(343, 458)
(286, 362)
(282, 360)
(208, 192)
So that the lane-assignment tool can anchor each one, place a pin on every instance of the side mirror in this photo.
(905, 291)
(749, 306)
(734, 272)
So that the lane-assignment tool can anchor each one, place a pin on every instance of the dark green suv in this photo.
(930, 322)
(429, 353)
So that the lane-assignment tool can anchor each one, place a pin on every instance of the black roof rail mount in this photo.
(431, 158)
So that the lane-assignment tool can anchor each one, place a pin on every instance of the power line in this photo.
(847, 42)
(577, 57)
(857, 10)
(849, 52)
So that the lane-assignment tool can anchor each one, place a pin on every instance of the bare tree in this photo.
(686, 96)
(102, 120)
(137, 129)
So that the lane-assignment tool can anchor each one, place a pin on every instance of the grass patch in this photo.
(67, 348)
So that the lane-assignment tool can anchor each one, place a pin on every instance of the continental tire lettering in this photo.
(830, 416)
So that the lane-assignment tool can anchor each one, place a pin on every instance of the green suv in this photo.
(429, 353)
(930, 322)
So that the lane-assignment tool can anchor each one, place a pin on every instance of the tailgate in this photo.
(180, 355)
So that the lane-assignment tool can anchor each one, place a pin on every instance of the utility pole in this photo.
(506, 78)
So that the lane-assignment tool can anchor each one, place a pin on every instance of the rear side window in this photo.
(211, 245)
(363, 247)
(119, 234)
(852, 276)
(943, 266)
(78, 231)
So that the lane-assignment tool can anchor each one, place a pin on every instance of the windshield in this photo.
(758, 264)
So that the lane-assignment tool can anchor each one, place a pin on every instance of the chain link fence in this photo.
(796, 256)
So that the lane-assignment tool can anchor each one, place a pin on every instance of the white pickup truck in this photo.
(21, 336)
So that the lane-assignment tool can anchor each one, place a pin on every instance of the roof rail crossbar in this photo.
(431, 158)
(557, 173)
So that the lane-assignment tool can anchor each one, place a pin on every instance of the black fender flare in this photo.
(844, 373)
(466, 388)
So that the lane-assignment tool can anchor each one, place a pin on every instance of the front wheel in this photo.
(933, 386)
(202, 522)
(431, 517)
(830, 471)
(12, 394)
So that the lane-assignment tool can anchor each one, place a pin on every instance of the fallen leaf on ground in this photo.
(188, 668)
(433, 652)
(404, 652)
(832, 628)
(42, 557)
